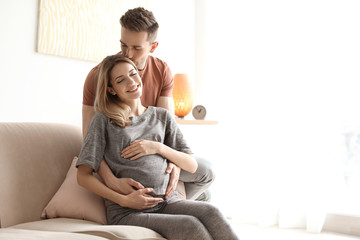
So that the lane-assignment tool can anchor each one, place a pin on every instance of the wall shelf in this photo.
(196, 122)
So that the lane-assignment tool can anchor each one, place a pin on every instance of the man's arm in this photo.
(136, 200)
(87, 113)
(167, 103)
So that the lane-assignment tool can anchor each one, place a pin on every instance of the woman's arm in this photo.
(183, 160)
(120, 185)
(136, 200)
(140, 148)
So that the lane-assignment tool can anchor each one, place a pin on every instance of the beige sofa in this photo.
(35, 159)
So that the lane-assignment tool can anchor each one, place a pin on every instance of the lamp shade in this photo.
(182, 94)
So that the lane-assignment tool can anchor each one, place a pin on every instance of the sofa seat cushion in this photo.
(113, 232)
(20, 234)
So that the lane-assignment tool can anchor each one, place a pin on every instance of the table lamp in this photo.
(182, 94)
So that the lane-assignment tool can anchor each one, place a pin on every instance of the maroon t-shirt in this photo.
(156, 77)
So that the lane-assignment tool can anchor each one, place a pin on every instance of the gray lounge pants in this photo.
(197, 184)
(183, 219)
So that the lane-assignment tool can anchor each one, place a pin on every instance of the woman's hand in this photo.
(174, 172)
(139, 148)
(141, 200)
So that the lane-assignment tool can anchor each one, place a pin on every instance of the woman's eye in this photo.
(133, 74)
(120, 81)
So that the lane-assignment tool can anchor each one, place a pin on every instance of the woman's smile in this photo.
(134, 89)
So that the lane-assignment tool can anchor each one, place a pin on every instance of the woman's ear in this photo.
(154, 46)
(111, 90)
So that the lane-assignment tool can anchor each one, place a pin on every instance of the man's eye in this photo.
(123, 46)
(133, 73)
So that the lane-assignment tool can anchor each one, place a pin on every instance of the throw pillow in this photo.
(74, 201)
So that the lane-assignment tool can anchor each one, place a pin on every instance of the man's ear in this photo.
(154, 46)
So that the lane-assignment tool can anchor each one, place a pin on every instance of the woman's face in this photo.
(125, 82)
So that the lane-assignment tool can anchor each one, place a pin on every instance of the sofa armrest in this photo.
(34, 159)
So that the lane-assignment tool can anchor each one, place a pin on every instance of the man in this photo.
(138, 39)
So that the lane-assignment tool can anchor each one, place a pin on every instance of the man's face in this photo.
(135, 46)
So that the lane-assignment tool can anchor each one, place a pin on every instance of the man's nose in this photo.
(129, 53)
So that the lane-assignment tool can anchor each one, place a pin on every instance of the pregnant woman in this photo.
(136, 142)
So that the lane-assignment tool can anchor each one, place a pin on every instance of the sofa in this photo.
(39, 195)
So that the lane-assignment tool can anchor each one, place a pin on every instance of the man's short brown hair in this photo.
(138, 20)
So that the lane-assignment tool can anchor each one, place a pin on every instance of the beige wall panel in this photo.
(82, 29)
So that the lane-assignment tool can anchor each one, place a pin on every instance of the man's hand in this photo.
(124, 185)
(174, 172)
(139, 148)
(121, 185)
(141, 200)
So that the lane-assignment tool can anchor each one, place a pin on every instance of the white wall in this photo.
(45, 88)
(35, 87)
(176, 34)
(283, 79)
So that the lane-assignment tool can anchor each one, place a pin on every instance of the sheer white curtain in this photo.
(282, 77)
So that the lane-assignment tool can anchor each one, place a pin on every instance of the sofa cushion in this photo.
(74, 201)
(113, 232)
(20, 234)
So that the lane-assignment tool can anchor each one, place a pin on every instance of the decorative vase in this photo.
(182, 94)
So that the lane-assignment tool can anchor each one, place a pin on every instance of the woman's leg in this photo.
(168, 225)
(208, 215)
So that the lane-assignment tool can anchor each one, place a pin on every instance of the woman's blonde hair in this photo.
(106, 103)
